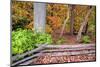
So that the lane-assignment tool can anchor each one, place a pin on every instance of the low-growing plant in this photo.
(26, 40)
(22, 40)
(86, 39)
(41, 38)
(60, 41)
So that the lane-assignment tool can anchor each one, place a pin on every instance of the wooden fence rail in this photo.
(15, 58)
(27, 53)
(71, 46)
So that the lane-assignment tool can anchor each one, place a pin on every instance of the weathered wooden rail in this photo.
(59, 50)
(55, 50)
(16, 61)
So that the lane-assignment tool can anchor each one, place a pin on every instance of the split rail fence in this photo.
(53, 50)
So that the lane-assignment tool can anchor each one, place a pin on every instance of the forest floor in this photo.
(68, 38)
(48, 59)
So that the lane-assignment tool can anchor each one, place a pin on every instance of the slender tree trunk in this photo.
(85, 28)
(71, 19)
(39, 17)
(64, 24)
(83, 24)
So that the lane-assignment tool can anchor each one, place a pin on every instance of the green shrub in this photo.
(22, 40)
(41, 38)
(25, 40)
(86, 39)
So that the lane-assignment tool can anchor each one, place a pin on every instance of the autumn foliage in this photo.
(22, 16)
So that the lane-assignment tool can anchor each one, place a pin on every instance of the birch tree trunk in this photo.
(83, 24)
(39, 17)
(64, 24)
(71, 19)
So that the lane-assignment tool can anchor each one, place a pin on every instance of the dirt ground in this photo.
(68, 38)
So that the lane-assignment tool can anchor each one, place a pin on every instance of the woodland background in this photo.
(23, 17)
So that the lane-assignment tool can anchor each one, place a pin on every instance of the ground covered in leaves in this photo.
(47, 59)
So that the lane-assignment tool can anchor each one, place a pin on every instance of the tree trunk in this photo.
(85, 28)
(83, 24)
(71, 19)
(64, 24)
(39, 17)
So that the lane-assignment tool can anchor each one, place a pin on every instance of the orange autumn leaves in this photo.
(22, 12)
(55, 22)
